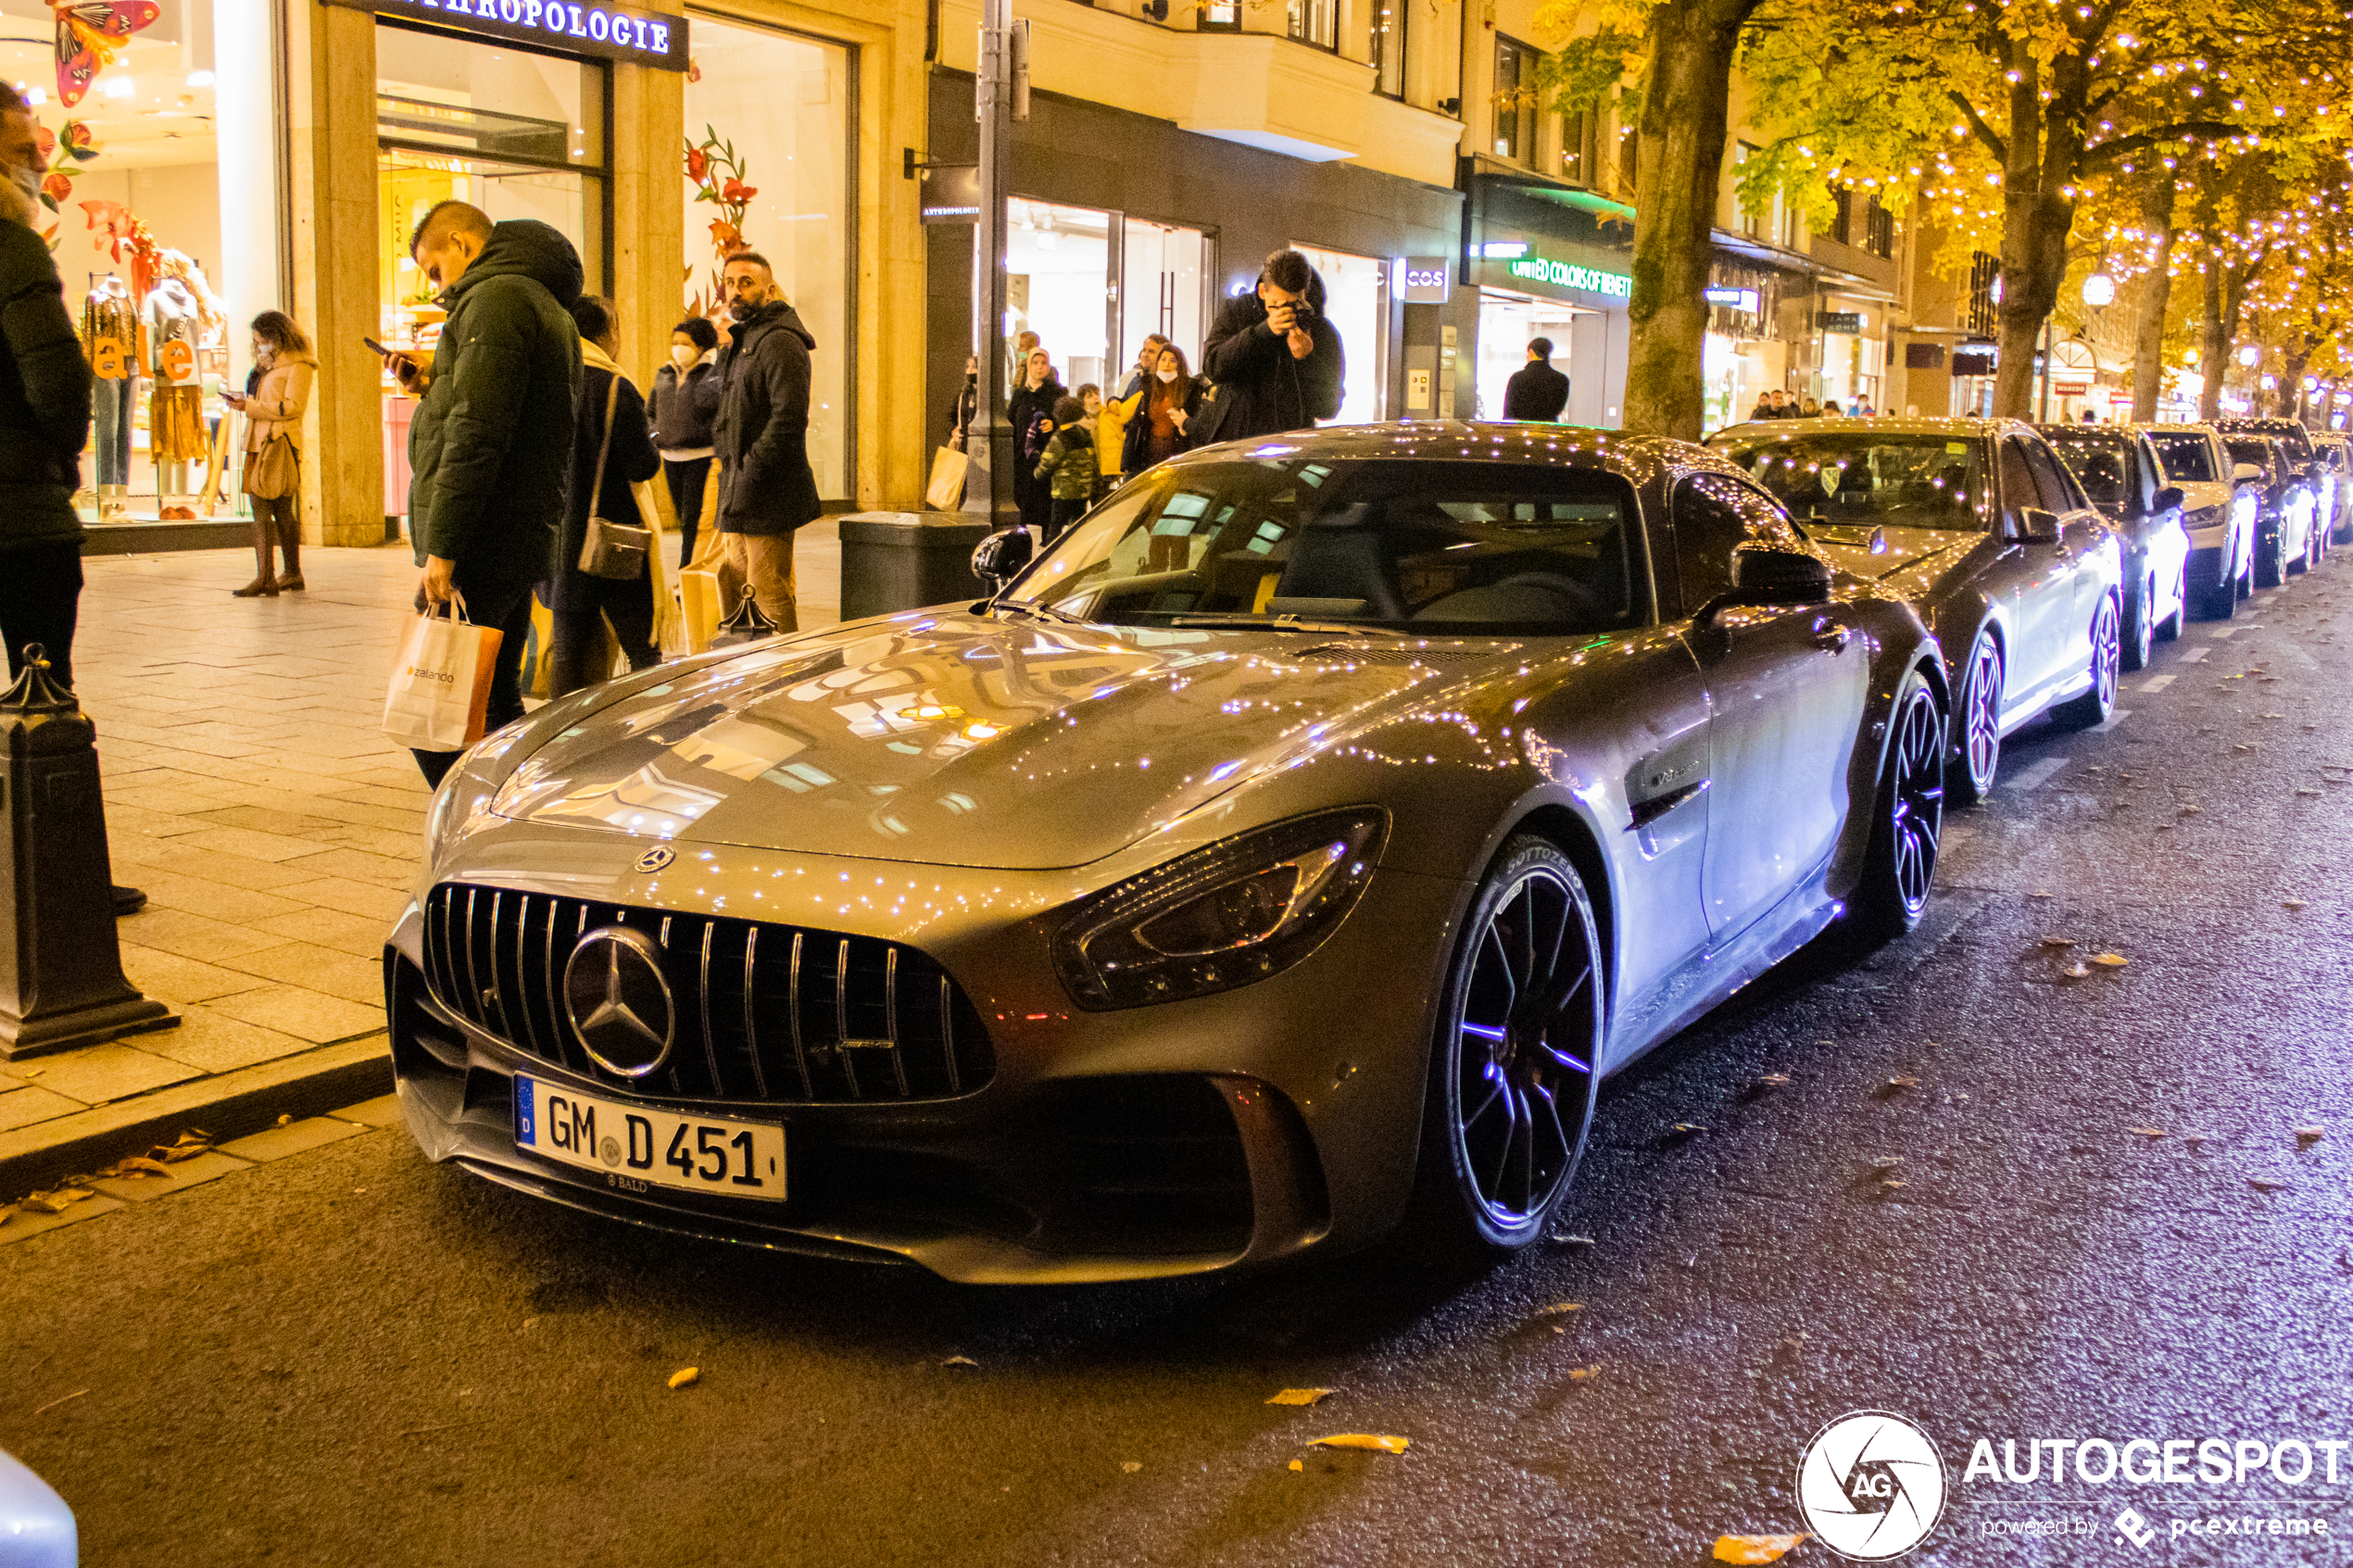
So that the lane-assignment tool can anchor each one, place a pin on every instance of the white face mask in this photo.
(683, 355)
(1167, 375)
(28, 180)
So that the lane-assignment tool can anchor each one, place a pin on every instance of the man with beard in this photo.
(766, 487)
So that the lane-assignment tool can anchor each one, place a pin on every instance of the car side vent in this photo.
(1383, 653)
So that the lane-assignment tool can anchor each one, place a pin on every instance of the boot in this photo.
(290, 546)
(263, 585)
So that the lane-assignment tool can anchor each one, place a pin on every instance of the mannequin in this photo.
(175, 405)
(108, 313)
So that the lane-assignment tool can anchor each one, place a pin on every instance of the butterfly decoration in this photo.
(90, 34)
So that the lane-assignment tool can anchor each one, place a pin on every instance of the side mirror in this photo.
(999, 558)
(2168, 498)
(2032, 525)
(2245, 473)
(1769, 574)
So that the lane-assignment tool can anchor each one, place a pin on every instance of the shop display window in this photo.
(767, 166)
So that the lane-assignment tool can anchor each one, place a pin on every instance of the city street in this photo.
(1949, 1179)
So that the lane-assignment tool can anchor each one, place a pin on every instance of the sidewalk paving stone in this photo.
(23, 1224)
(23, 1108)
(303, 1013)
(184, 1173)
(95, 1075)
(175, 979)
(210, 1041)
(292, 1138)
(315, 968)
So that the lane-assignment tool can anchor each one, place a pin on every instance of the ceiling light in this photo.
(200, 78)
(120, 87)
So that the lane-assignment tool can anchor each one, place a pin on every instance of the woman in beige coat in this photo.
(285, 368)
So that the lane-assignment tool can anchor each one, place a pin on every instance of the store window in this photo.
(1057, 273)
(1388, 47)
(1577, 147)
(1220, 16)
(1356, 301)
(139, 228)
(770, 116)
(1508, 323)
(1164, 271)
(1312, 21)
(1514, 100)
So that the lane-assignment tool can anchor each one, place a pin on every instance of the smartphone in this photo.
(381, 351)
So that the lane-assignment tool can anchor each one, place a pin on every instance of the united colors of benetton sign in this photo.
(613, 32)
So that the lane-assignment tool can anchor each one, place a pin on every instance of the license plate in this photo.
(638, 1146)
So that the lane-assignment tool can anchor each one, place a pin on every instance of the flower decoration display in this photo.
(62, 155)
(128, 238)
(717, 173)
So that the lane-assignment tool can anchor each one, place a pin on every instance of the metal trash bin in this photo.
(892, 561)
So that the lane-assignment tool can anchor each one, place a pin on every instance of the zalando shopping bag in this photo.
(440, 693)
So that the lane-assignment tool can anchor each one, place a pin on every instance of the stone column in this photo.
(648, 210)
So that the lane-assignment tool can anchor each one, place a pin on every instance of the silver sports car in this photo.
(1284, 855)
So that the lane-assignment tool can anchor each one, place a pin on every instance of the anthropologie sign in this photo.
(1568, 275)
(612, 33)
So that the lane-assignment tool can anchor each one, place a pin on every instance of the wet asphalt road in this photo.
(352, 1357)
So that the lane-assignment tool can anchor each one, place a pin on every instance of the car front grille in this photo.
(762, 1013)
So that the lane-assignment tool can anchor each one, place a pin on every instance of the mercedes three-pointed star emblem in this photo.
(657, 858)
(619, 1001)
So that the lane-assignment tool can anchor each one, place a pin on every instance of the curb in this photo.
(229, 1104)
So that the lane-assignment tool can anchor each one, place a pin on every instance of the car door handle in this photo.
(1831, 638)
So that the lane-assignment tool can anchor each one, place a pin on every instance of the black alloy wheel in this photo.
(2170, 629)
(1899, 868)
(2140, 611)
(2099, 701)
(1513, 1068)
(1976, 722)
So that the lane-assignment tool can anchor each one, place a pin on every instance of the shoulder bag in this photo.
(272, 472)
(615, 550)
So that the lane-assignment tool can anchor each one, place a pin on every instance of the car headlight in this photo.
(1221, 917)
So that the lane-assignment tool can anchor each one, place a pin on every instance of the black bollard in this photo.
(61, 981)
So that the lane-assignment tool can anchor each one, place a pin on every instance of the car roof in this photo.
(1766, 429)
(1640, 459)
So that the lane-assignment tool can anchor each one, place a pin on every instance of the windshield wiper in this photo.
(1044, 612)
(1273, 623)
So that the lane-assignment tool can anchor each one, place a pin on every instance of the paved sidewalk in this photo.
(250, 792)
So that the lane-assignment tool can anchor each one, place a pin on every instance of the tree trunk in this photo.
(2214, 342)
(2036, 214)
(2292, 363)
(1682, 131)
(2157, 294)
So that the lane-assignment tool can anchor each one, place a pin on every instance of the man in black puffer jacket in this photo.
(490, 449)
(1274, 354)
(766, 487)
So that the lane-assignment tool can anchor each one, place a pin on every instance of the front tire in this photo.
(1907, 821)
(1976, 722)
(1513, 1066)
(2095, 705)
(2270, 560)
(2139, 628)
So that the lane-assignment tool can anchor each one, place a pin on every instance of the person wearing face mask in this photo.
(767, 489)
(1030, 412)
(284, 367)
(685, 404)
(490, 447)
(1157, 431)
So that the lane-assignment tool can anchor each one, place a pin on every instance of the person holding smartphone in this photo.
(283, 370)
(490, 448)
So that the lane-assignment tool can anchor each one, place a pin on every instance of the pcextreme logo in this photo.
(1871, 1486)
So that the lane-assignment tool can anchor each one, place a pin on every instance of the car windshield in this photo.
(2100, 460)
(1870, 480)
(2249, 450)
(2188, 459)
(1442, 546)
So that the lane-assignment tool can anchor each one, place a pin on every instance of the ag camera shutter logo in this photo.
(1871, 1486)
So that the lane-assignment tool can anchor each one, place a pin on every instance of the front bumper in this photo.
(1227, 1131)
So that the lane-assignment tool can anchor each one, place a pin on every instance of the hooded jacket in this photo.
(761, 436)
(1271, 391)
(490, 448)
(44, 395)
(683, 406)
(630, 461)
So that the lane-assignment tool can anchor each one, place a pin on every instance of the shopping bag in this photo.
(699, 607)
(946, 491)
(440, 692)
(536, 670)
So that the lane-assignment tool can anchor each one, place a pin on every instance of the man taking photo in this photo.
(766, 487)
(1273, 356)
(490, 446)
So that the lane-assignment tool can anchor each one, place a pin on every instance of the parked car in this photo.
(1008, 937)
(2217, 508)
(2335, 457)
(1978, 523)
(2285, 538)
(37, 1529)
(2117, 470)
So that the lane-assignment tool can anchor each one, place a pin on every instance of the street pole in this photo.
(2045, 417)
(1001, 95)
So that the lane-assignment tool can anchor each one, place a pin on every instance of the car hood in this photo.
(1876, 553)
(2201, 495)
(968, 740)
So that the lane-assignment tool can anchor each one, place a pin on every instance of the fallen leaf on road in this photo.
(1362, 1440)
(1887, 1162)
(286, 1120)
(1131, 1466)
(2308, 792)
(1685, 1129)
(2264, 1183)
(2041, 893)
(1775, 1080)
(187, 1145)
(2310, 1135)
(2058, 941)
(960, 1360)
(1302, 1395)
(685, 1375)
(55, 1202)
(1756, 1549)
(1584, 1374)
(1571, 1240)
(1891, 1186)
(1557, 1307)
(138, 1165)
(1902, 1081)
(2189, 811)
(1298, 1464)
(2110, 960)
(2075, 972)
(2291, 903)
(2148, 1132)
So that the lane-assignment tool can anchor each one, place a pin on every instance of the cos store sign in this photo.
(613, 32)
